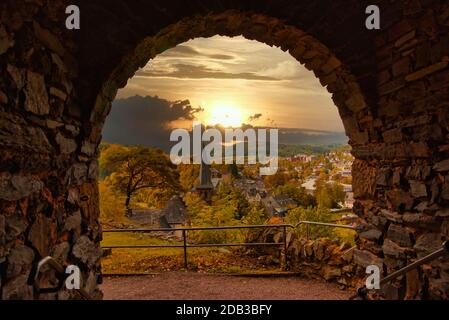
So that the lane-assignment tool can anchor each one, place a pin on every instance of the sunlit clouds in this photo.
(233, 79)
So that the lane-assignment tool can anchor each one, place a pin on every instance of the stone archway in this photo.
(391, 88)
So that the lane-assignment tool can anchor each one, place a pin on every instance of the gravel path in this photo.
(197, 286)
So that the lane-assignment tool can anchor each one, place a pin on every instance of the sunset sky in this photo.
(238, 81)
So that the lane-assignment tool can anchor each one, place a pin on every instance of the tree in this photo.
(328, 195)
(233, 170)
(137, 168)
(312, 214)
(298, 194)
(276, 180)
(188, 175)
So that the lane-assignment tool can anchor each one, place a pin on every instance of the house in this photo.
(174, 215)
(278, 205)
(346, 173)
(346, 187)
(349, 200)
(149, 217)
(285, 202)
(309, 185)
(216, 182)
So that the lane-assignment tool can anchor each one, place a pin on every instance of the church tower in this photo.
(205, 186)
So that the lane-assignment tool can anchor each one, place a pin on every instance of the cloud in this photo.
(255, 117)
(186, 51)
(145, 120)
(283, 70)
(187, 71)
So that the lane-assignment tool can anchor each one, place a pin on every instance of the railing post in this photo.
(307, 231)
(285, 248)
(185, 248)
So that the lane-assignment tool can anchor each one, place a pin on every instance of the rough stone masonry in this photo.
(391, 87)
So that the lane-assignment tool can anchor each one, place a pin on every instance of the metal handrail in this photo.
(185, 246)
(325, 224)
(362, 292)
(61, 275)
(202, 228)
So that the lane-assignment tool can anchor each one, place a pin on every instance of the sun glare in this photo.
(225, 114)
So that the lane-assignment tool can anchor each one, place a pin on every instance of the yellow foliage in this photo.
(111, 204)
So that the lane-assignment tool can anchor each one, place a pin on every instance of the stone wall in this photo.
(48, 177)
(321, 259)
(401, 175)
(56, 86)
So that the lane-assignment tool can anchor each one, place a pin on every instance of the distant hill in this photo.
(292, 150)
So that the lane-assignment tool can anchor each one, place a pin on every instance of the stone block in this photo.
(391, 249)
(421, 221)
(42, 235)
(86, 251)
(400, 235)
(16, 187)
(17, 289)
(66, 145)
(426, 71)
(330, 272)
(365, 258)
(20, 261)
(36, 97)
(372, 235)
(442, 166)
(427, 243)
(418, 189)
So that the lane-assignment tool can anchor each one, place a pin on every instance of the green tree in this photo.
(137, 168)
(328, 195)
(188, 175)
(312, 214)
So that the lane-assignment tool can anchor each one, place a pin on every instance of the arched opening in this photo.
(290, 42)
(331, 72)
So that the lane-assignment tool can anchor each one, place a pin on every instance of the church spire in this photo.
(205, 186)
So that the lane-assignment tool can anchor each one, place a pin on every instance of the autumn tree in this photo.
(298, 194)
(136, 168)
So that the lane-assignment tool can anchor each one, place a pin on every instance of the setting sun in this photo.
(225, 114)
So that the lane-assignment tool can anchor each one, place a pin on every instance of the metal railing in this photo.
(185, 244)
(363, 291)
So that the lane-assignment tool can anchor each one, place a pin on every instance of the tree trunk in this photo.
(127, 202)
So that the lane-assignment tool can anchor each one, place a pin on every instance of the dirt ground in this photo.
(198, 286)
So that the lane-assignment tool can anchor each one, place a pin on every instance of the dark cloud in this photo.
(255, 117)
(182, 51)
(220, 56)
(186, 71)
(145, 120)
